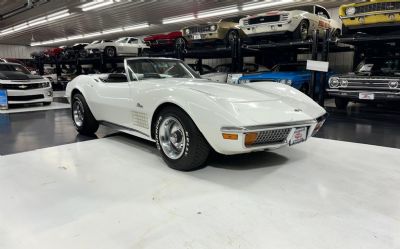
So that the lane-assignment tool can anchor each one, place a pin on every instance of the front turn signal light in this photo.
(250, 138)
(230, 136)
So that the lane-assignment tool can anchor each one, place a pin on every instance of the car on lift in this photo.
(222, 32)
(375, 80)
(168, 41)
(375, 16)
(299, 22)
(123, 46)
(75, 51)
(165, 101)
(22, 87)
(222, 72)
(292, 74)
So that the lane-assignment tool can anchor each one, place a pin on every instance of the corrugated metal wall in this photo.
(17, 51)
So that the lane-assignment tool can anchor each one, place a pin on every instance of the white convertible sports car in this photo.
(165, 101)
(300, 21)
(122, 46)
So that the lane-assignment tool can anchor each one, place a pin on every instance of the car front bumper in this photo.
(267, 29)
(30, 96)
(354, 94)
(371, 20)
(266, 134)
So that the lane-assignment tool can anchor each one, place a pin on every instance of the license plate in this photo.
(367, 96)
(196, 37)
(299, 136)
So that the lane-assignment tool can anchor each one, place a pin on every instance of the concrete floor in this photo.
(116, 192)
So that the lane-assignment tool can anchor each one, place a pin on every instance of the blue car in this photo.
(293, 74)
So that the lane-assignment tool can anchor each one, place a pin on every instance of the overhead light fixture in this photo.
(21, 26)
(37, 21)
(138, 26)
(218, 12)
(263, 4)
(96, 4)
(92, 34)
(111, 31)
(75, 37)
(178, 19)
(58, 15)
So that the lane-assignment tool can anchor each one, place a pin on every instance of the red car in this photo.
(165, 41)
(53, 52)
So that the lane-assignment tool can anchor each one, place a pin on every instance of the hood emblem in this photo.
(298, 110)
(22, 86)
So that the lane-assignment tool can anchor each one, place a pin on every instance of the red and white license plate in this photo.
(299, 136)
(366, 96)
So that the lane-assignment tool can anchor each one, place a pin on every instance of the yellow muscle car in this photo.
(370, 14)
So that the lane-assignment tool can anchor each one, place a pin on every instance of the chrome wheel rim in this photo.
(77, 112)
(304, 31)
(180, 43)
(172, 138)
(110, 52)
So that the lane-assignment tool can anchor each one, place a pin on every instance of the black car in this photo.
(75, 51)
(375, 80)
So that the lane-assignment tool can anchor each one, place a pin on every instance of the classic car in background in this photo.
(375, 80)
(53, 52)
(292, 74)
(167, 41)
(122, 46)
(172, 107)
(222, 72)
(367, 16)
(223, 32)
(23, 87)
(298, 21)
(75, 51)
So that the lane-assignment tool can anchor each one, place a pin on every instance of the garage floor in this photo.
(116, 192)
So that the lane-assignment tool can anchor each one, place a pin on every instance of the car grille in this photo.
(200, 29)
(272, 137)
(384, 6)
(22, 86)
(367, 84)
(25, 98)
(266, 19)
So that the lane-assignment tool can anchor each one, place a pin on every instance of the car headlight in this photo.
(350, 11)
(213, 28)
(45, 85)
(334, 82)
(283, 82)
(289, 82)
(187, 31)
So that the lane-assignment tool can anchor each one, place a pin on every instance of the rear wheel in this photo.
(110, 52)
(341, 103)
(179, 141)
(231, 37)
(180, 43)
(302, 31)
(83, 119)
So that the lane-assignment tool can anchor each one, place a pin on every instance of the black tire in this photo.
(180, 43)
(110, 52)
(335, 34)
(231, 36)
(341, 103)
(299, 33)
(89, 124)
(82, 53)
(196, 148)
(46, 103)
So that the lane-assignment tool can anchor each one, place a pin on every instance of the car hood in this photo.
(18, 76)
(258, 103)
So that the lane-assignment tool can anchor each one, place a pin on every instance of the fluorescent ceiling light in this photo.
(96, 5)
(36, 44)
(58, 15)
(60, 40)
(92, 34)
(37, 21)
(139, 26)
(218, 12)
(21, 26)
(111, 31)
(178, 19)
(75, 37)
(264, 4)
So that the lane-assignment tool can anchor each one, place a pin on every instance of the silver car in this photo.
(23, 87)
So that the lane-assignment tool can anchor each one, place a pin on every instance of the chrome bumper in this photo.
(30, 96)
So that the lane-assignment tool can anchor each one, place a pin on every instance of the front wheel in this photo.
(180, 43)
(302, 31)
(179, 141)
(83, 119)
(231, 37)
(110, 52)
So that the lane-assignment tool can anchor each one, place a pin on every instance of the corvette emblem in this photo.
(298, 110)
(22, 86)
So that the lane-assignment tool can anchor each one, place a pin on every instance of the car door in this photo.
(114, 99)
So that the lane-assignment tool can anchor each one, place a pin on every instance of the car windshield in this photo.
(13, 68)
(147, 68)
(380, 66)
(290, 68)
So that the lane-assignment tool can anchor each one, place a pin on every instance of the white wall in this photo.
(18, 51)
